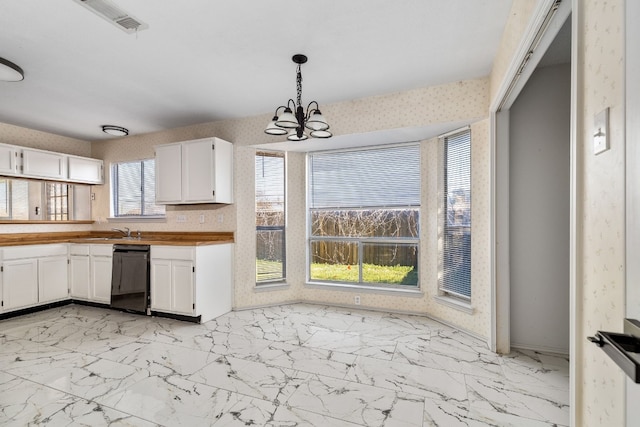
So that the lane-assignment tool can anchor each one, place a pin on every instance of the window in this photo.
(270, 217)
(134, 189)
(57, 201)
(364, 216)
(14, 198)
(455, 268)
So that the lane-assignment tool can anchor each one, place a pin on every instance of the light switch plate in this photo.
(181, 218)
(601, 131)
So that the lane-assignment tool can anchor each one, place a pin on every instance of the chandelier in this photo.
(295, 123)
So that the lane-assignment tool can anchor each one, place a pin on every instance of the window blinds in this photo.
(456, 253)
(365, 178)
(134, 189)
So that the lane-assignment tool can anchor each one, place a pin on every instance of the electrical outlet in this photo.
(220, 218)
(356, 299)
(181, 218)
(201, 218)
(93, 196)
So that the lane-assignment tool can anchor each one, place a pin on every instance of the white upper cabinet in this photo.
(198, 171)
(169, 173)
(44, 164)
(8, 159)
(41, 164)
(84, 169)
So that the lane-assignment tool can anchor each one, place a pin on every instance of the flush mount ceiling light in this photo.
(10, 72)
(295, 125)
(115, 130)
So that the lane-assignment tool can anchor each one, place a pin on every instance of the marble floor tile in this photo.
(250, 378)
(288, 416)
(357, 403)
(353, 343)
(451, 414)
(173, 400)
(289, 365)
(413, 379)
(162, 359)
(547, 404)
(306, 359)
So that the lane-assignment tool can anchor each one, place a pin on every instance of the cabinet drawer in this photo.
(78, 249)
(173, 252)
(34, 251)
(102, 250)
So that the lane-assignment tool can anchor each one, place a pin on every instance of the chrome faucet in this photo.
(126, 232)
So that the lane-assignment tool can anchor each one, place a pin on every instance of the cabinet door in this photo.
(8, 160)
(198, 181)
(53, 278)
(101, 267)
(161, 284)
(20, 283)
(79, 276)
(83, 169)
(168, 173)
(44, 164)
(182, 289)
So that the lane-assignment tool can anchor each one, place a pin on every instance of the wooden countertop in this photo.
(172, 238)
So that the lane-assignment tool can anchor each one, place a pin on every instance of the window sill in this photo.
(413, 293)
(455, 304)
(137, 219)
(274, 286)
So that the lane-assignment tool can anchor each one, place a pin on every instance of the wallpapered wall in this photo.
(454, 102)
(519, 17)
(600, 296)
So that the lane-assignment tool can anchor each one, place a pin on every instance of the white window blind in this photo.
(364, 216)
(270, 217)
(456, 243)
(382, 177)
(133, 185)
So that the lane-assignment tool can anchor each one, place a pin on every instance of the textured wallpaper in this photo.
(601, 292)
(448, 103)
(519, 17)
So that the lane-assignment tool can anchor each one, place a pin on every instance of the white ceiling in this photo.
(206, 60)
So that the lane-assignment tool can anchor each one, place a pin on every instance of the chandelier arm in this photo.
(311, 110)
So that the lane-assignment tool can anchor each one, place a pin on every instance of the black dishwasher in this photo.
(130, 278)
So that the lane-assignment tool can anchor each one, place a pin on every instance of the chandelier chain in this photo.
(299, 86)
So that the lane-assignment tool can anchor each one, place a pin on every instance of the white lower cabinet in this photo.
(193, 281)
(90, 272)
(100, 284)
(53, 278)
(20, 283)
(33, 275)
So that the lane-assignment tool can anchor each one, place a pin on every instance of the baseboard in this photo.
(30, 310)
(541, 349)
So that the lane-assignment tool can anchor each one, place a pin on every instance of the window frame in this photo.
(281, 228)
(363, 241)
(444, 214)
(114, 193)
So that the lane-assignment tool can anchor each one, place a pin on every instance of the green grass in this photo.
(371, 273)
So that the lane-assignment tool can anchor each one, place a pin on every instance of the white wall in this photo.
(539, 196)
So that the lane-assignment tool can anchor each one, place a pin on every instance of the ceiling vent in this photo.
(108, 10)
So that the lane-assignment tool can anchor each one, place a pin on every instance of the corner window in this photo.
(455, 239)
(270, 217)
(364, 215)
(133, 186)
